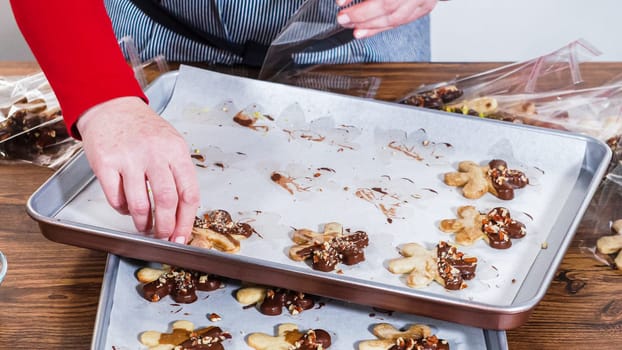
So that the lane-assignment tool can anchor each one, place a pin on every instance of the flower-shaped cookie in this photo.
(444, 264)
(415, 337)
(217, 230)
(329, 248)
(290, 338)
(496, 227)
(271, 301)
(180, 284)
(467, 227)
(185, 337)
(495, 178)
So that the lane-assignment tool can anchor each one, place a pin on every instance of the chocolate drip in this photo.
(505, 180)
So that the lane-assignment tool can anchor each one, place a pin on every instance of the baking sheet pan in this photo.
(123, 314)
(564, 171)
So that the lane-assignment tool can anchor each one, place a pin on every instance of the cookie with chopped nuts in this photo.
(500, 228)
(217, 230)
(326, 250)
(179, 283)
(467, 227)
(417, 336)
(185, 337)
(271, 301)
(495, 178)
(497, 227)
(443, 264)
(290, 338)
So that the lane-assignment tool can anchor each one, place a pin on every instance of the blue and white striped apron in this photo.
(258, 20)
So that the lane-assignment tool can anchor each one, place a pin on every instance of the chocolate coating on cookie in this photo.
(499, 227)
(206, 338)
(220, 221)
(427, 343)
(453, 266)
(277, 299)
(181, 285)
(348, 249)
(505, 180)
(315, 339)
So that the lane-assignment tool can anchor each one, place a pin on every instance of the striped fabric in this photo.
(261, 21)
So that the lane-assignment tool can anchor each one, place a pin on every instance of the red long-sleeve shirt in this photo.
(75, 46)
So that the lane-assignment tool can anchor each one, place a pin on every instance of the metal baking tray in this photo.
(123, 314)
(564, 168)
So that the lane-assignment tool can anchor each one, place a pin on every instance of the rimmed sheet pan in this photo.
(123, 314)
(301, 130)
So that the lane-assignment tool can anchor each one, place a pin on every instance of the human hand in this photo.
(371, 17)
(127, 144)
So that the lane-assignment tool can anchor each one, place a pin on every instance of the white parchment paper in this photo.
(347, 324)
(334, 146)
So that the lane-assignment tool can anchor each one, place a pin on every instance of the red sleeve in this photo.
(75, 46)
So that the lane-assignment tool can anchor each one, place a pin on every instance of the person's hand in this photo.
(127, 144)
(371, 17)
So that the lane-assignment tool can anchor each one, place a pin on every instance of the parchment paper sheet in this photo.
(347, 324)
(354, 154)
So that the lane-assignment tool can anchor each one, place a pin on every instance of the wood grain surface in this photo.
(49, 297)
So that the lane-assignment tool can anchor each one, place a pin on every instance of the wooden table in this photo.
(49, 297)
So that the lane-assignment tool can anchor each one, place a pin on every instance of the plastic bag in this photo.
(355, 86)
(595, 112)
(559, 70)
(313, 27)
(310, 31)
(600, 234)
(546, 92)
(31, 126)
(141, 68)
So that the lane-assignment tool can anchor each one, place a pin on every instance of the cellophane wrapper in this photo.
(599, 222)
(32, 128)
(547, 91)
(310, 31)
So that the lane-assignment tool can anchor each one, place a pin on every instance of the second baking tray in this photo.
(123, 314)
(565, 170)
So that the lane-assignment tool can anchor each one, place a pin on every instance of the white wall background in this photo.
(470, 30)
(12, 44)
(516, 30)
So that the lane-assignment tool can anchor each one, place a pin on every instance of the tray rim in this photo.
(473, 313)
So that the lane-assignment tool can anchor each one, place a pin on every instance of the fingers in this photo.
(373, 16)
(145, 149)
(137, 197)
(189, 200)
(111, 184)
(175, 191)
(369, 10)
(165, 198)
